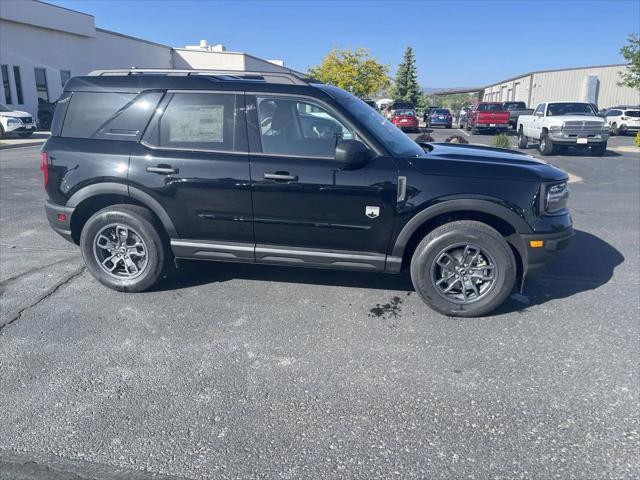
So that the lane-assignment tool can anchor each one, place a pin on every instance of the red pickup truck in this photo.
(487, 116)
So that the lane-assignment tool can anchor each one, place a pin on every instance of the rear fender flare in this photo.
(112, 188)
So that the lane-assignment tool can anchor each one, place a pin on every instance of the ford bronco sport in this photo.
(143, 167)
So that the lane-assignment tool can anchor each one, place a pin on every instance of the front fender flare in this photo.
(450, 206)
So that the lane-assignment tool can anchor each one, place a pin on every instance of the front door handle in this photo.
(164, 169)
(281, 176)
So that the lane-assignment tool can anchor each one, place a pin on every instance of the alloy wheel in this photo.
(120, 251)
(463, 273)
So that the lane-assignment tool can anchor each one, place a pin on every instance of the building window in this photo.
(18, 80)
(41, 84)
(6, 84)
(65, 75)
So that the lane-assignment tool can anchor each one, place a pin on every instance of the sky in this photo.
(457, 43)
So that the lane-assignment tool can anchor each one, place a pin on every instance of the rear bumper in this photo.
(538, 257)
(492, 125)
(61, 225)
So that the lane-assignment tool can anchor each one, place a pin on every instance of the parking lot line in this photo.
(462, 131)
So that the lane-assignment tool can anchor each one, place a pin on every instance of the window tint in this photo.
(18, 80)
(298, 127)
(490, 107)
(570, 109)
(540, 109)
(632, 113)
(5, 84)
(65, 75)
(198, 121)
(88, 111)
(614, 113)
(41, 84)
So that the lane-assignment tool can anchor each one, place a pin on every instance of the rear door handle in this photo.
(164, 169)
(281, 176)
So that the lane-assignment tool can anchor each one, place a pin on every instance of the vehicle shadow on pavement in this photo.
(571, 273)
(573, 152)
(574, 271)
(193, 272)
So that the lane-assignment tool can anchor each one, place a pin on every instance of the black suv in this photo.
(143, 167)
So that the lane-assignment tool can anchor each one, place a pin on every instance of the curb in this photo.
(20, 145)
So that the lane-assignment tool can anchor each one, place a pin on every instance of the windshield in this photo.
(406, 113)
(555, 109)
(440, 111)
(490, 107)
(381, 128)
(3, 108)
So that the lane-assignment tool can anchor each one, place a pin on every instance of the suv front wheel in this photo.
(123, 249)
(463, 268)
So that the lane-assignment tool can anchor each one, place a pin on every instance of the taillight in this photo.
(44, 166)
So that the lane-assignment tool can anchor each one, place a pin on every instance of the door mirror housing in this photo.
(352, 153)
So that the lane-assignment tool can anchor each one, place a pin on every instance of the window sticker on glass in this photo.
(196, 123)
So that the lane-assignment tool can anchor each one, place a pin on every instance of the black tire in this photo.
(450, 235)
(44, 122)
(546, 146)
(1, 132)
(614, 129)
(141, 222)
(522, 140)
(25, 135)
(599, 150)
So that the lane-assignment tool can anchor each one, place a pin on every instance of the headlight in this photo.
(555, 128)
(13, 121)
(605, 127)
(555, 197)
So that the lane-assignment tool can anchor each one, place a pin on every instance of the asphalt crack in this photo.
(48, 293)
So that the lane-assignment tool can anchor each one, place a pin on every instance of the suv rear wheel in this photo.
(123, 249)
(464, 268)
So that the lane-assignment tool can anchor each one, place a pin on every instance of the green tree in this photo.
(406, 82)
(631, 53)
(352, 70)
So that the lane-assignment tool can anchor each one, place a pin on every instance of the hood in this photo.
(485, 162)
(15, 113)
(579, 118)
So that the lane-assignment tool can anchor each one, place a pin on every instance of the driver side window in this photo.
(540, 109)
(290, 126)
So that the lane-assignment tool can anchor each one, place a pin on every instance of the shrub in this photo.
(425, 137)
(501, 141)
(638, 139)
(456, 139)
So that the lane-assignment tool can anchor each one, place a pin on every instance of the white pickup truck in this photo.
(562, 124)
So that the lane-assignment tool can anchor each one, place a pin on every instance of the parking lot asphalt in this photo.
(241, 371)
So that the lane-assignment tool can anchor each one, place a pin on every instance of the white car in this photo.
(16, 122)
(564, 124)
(623, 119)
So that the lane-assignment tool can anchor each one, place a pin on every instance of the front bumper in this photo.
(20, 128)
(59, 218)
(538, 255)
(571, 138)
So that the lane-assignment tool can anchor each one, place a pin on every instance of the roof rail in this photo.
(269, 77)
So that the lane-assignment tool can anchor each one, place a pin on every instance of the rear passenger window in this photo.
(88, 111)
(197, 121)
(129, 122)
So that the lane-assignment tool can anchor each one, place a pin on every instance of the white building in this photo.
(597, 84)
(42, 45)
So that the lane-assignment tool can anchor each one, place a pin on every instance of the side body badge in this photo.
(372, 212)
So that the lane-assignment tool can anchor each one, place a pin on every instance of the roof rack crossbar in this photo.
(269, 77)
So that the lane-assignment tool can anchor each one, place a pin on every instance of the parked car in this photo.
(401, 105)
(15, 122)
(440, 117)
(487, 116)
(516, 109)
(623, 119)
(45, 114)
(141, 170)
(372, 104)
(427, 113)
(564, 124)
(405, 120)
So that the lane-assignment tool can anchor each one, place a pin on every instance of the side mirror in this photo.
(352, 153)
